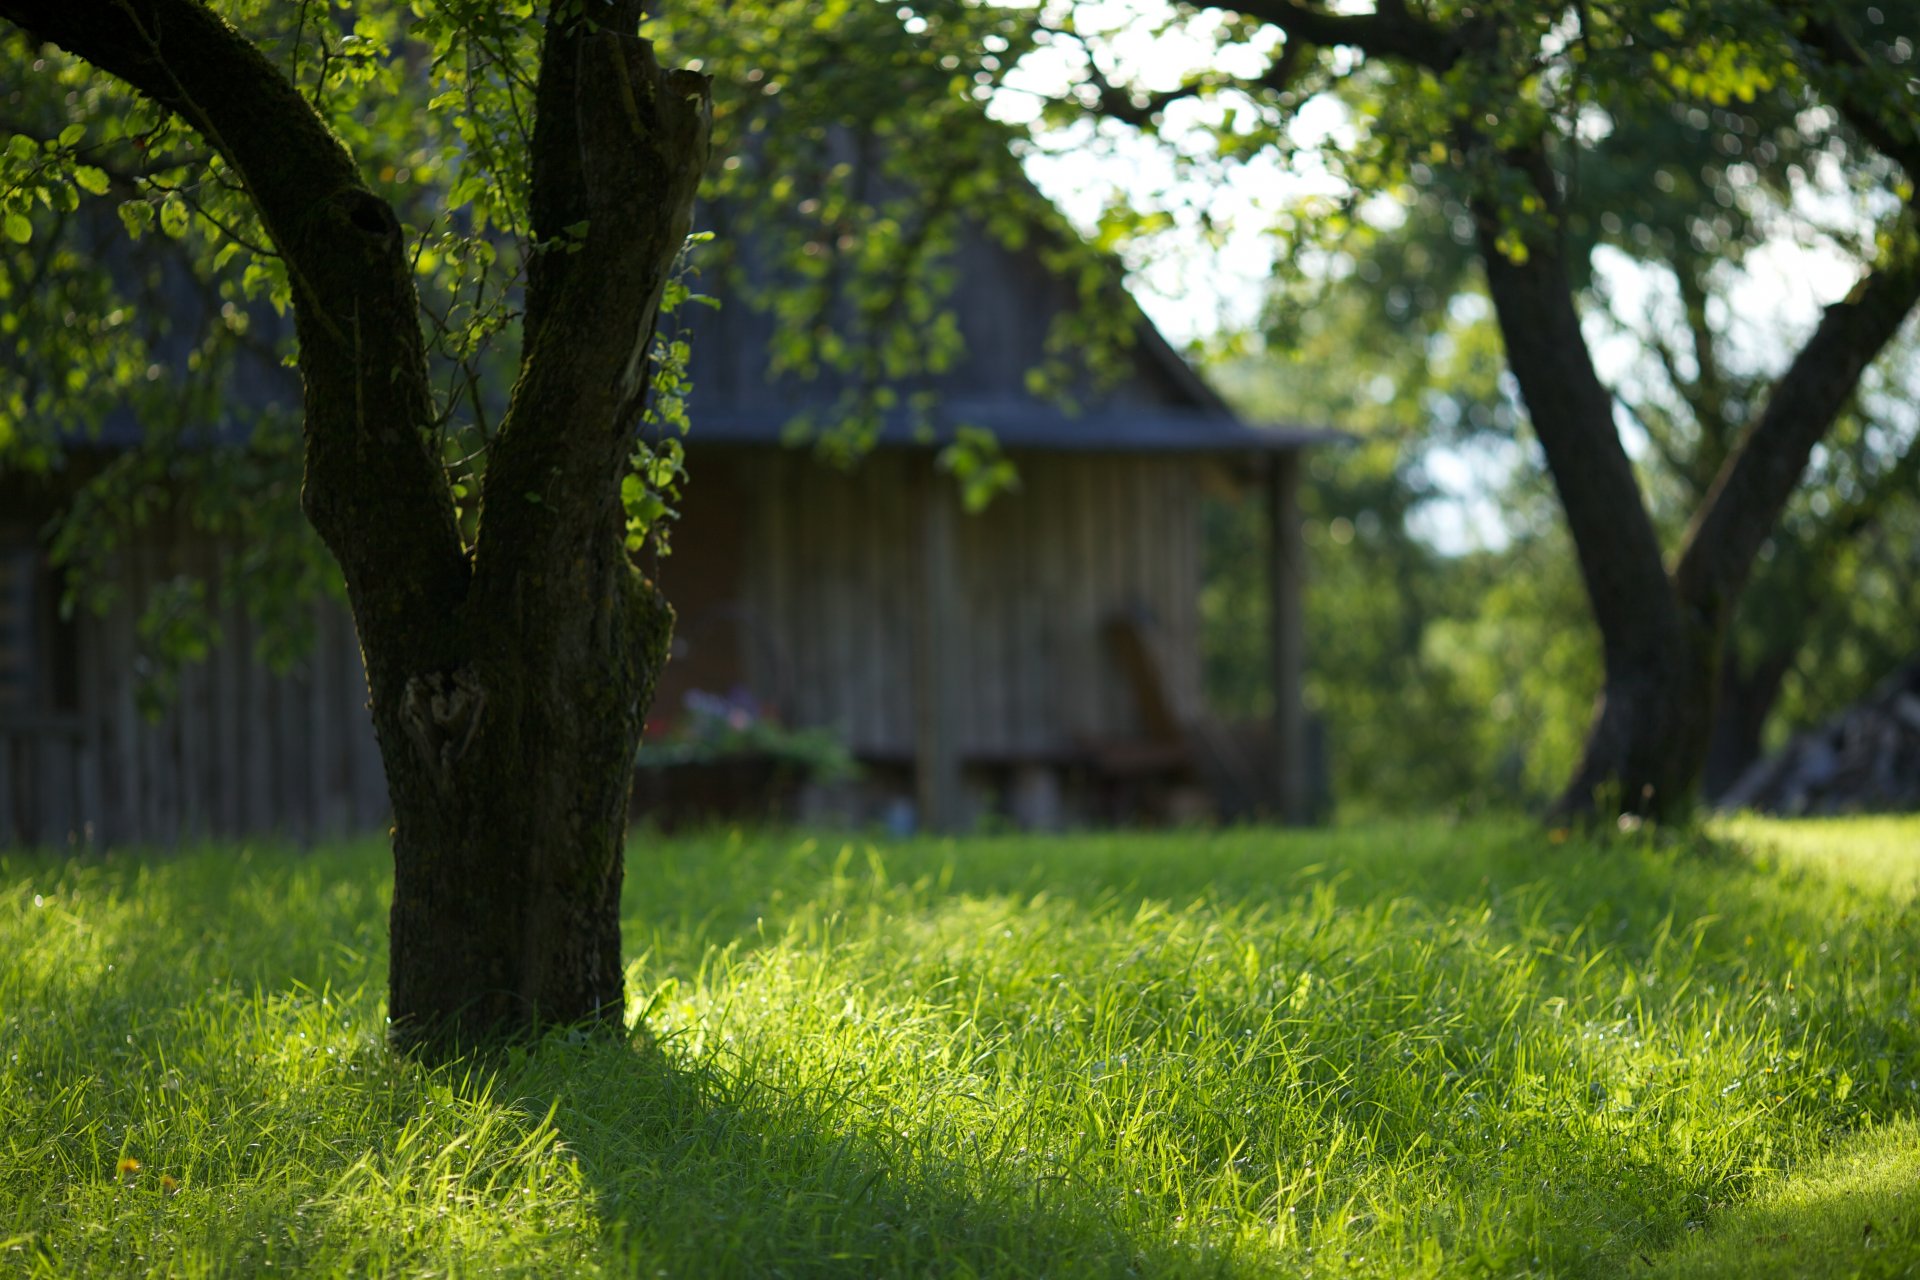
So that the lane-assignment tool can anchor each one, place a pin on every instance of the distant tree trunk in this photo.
(1662, 635)
(1650, 724)
(508, 680)
(1747, 698)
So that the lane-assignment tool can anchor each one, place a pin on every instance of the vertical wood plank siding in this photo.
(828, 582)
(241, 751)
(828, 567)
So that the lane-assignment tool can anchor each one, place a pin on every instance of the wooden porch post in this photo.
(936, 749)
(1287, 642)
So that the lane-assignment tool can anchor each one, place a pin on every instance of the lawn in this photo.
(1403, 1050)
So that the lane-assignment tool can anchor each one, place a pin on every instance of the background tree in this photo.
(1458, 682)
(1504, 110)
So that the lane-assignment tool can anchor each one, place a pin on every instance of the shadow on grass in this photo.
(1855, 1212)
(696, 1174)
(695, 1171)
(191, 1025)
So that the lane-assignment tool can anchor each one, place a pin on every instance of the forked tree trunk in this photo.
(1662, 634)
(1640, 754)
(1747, 699)
(510, 776)
(508, 680)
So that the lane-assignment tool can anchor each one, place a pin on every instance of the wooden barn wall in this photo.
(240, 752)
(829, 603)
(832, 566)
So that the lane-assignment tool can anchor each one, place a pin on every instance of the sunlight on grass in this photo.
(1856, 1212)
(1416, 1049)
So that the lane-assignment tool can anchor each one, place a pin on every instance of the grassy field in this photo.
(1408, 1050)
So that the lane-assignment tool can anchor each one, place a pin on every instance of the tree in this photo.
(1399, 309)
(1504, 105)
(509, 670)
(428, 187)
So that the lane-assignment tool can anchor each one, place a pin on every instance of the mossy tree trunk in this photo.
(508, 679)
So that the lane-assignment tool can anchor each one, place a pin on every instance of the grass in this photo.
(1403, 1050)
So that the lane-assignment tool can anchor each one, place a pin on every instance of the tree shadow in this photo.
(1855, 1212)
(698, 1165)
(698, 1174)
(194, 988)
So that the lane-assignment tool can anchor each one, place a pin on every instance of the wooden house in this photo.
(1022, 658)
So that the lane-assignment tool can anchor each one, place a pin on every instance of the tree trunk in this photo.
(1740, 716)
(509, 777)
(1662, 636)
(508, 680)
(1650, 724)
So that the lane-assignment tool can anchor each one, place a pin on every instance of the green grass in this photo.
(1398, 1050)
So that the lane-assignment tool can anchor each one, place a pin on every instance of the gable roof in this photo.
(1005, 300)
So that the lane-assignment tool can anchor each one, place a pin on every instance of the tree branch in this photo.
(1761, 474)
(619, 148)
(374, 487)
(1572, 413)
(1390, 32)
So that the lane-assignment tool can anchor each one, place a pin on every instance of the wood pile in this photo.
(1866, 759)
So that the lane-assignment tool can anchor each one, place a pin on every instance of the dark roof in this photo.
(1033, 424)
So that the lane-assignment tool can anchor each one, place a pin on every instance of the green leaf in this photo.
(174, 217)
(137, 216)
(19, 230)
(91, 180)
(71, 135)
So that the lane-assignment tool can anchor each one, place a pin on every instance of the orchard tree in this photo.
(510, 656)
(440, 193)
(1676, 231)
(1505, 104)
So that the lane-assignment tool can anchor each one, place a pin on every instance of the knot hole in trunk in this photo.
(372, 215)
(442, 712)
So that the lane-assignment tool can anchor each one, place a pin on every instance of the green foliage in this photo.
(974, 459)
(1436, 684)
(1414, 1050)
(169, 339)
(1686, 137)
(244, 496)
(1380, 320)
(858, 156)
(658, 466)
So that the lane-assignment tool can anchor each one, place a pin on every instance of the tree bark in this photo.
(508, 681)
(1746, 699)
(1663, 636)
(1650, 723)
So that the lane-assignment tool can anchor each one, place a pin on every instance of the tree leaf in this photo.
(174, 217)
